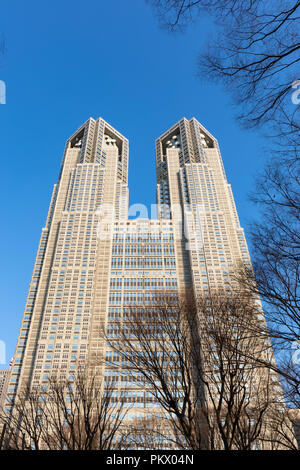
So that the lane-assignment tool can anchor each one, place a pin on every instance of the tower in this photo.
(54, 330)
(193, 191)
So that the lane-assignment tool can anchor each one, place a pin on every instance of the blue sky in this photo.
(69, 60)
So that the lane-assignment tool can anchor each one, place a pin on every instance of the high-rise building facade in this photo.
(193, 184)
(93, 264)
(4, 378)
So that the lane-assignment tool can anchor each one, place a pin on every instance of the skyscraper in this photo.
(94, 264)
(64, 288)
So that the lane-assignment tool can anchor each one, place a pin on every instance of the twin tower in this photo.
(93, 263)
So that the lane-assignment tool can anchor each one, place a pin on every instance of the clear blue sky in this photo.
(69, 60)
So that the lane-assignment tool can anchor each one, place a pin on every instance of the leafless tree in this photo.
(241, 385)
(283, 429)
(154, 347)
(150, 432)
(75, 415)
